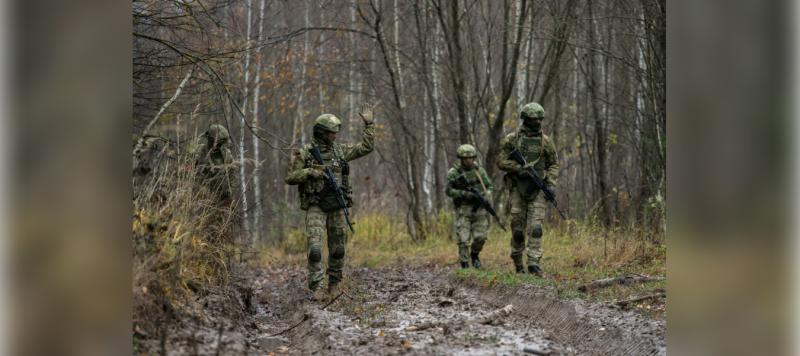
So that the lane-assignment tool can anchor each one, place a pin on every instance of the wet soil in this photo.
(419, 311)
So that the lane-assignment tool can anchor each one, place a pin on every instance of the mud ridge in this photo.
(587, 328)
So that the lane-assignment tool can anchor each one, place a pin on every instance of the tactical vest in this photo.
(474, 180)
(532, 148)
(314, 190)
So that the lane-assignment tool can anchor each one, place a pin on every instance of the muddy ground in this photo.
(420, 311)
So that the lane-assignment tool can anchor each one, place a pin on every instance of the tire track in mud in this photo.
(379, 306)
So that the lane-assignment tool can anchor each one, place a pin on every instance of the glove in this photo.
(552, 188)
(471, 196)
(522, 169)
(314, 173)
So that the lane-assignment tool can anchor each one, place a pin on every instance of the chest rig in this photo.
(532, 148)
(314, 191)
(472, 179)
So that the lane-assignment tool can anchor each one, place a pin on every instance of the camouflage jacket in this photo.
(336, 157)
(538, 151)
(215, 167)
(476, 178)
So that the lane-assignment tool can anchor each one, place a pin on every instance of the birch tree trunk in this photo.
(259, 212)
(397, 55)
(245, 85)
(297, 122)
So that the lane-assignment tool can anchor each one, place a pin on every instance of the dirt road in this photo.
(423, 311)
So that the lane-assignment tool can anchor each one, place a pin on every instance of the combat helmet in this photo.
(532, 110)
(328, 122)
(218, 133)
(466, 151)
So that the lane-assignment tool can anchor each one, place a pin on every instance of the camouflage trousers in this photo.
(526, 222)
(471, 229)
(318, 223)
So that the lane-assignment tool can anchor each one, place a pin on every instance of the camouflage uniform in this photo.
(214, 161)
(322, 211)
(528, 212)
(471, 225)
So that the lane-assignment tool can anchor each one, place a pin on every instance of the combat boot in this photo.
(333, 289)
(314, 295)
(534, 269)
(476, 262)
(464, 265)
(519, 268)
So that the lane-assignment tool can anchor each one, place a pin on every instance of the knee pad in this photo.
(314, 255)
(537, 230)
(338, 252)
(519, 237)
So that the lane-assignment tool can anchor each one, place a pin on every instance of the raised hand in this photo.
(367, 111)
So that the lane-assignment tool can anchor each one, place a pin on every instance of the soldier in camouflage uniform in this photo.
(528, 211)
(471, 225)
(214, 161)
(323, 214)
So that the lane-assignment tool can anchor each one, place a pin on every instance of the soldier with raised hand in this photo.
(528, 206)
(471, 223)
(214, 161)
(323, 213)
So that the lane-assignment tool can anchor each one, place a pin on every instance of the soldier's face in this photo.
(214, 142)
(331, 136)
(468, 161)
(535, 124)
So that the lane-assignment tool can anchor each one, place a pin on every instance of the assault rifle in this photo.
(538, 182)
(330, 181)
(482, 202)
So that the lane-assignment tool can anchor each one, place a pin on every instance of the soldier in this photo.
(214, 161)
(528, 211)
(323, 213)
(471, 225)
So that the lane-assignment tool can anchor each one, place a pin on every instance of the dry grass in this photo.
(182, 238)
